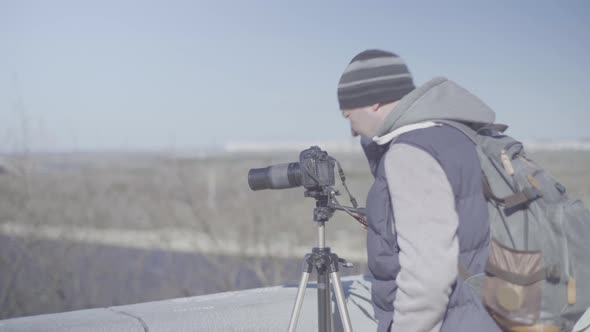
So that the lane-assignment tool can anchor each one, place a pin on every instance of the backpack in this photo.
(537, 275)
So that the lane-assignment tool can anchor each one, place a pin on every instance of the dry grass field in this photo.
(87, 230)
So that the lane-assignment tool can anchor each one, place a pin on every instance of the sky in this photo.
(153, 75)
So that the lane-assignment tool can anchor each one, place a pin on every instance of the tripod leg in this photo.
(324, 315)
(329, 303)
(307, 268)
(339, 292)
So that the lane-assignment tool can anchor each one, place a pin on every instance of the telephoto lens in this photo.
(280, 176)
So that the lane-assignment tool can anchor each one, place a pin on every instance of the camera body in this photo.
(317, 168)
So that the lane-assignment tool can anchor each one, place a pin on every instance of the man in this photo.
(426, 209)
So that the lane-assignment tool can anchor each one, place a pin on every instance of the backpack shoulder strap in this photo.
(464, 128)
(472, 130)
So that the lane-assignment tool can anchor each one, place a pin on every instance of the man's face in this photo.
(363, 121)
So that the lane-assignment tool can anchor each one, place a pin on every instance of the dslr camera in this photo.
(314, 171)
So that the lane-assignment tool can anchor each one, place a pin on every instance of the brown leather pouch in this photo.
(512, 288)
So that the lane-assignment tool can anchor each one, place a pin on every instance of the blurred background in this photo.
(127, 129)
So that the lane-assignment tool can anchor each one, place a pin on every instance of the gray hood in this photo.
(438, 99)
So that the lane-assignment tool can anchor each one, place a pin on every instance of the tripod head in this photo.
(324, 206)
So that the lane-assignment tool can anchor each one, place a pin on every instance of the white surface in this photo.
(263, 309)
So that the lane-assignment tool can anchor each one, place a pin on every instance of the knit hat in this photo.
(372, 77)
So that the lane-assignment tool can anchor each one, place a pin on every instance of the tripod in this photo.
(326, 264)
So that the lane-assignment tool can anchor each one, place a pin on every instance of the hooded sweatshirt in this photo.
(427, 213)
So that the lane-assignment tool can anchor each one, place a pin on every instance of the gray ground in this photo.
(80, 231)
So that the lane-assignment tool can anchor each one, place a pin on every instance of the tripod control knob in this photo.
(345, 263)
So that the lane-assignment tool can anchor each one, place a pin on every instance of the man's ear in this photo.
(375, 107)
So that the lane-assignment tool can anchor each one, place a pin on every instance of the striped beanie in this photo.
(372, 77)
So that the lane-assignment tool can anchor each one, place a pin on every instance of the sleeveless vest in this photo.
(458, 158)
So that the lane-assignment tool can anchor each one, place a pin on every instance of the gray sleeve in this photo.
(426, 225)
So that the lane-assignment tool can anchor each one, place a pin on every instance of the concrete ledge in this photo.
(262, 309)
(91, 320)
